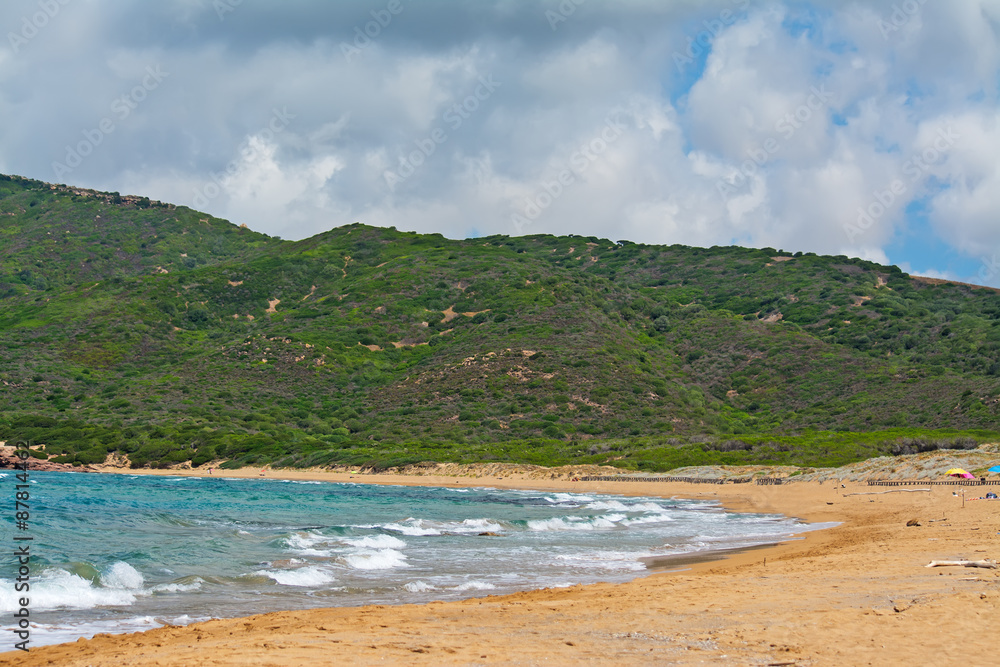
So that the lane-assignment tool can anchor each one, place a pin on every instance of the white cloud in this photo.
(967, 211)
(656, 182)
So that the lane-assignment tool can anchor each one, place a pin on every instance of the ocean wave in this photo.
(56, 588)
(304, 544)
(178, 587)
(411, 527)
(648, 518)
(568, 498)
(575, 523)
(620, 506)
(474, 586)
(303, 577)
(608, 505)
(122, 575)
(379, 559)
(377, 542)
(419, 587)
(425, 527)
(477, 526)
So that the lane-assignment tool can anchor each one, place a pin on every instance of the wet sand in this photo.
(855, 594)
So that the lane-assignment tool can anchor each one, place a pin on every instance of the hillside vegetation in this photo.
(168, 335)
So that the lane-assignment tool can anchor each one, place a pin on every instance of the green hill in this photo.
(169, 335)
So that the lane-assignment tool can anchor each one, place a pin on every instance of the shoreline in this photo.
(754, 606)
(731, 502)
(562, 484)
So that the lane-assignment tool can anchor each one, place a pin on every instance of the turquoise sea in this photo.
(119, 553)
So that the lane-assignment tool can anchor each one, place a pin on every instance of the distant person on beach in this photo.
(209, 471)
(261, 472)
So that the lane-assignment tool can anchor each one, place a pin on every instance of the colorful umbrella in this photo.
(995, 469)
(958, 472)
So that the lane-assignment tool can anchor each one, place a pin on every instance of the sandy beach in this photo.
(855, 594)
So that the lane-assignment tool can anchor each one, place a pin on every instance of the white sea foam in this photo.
(620, 506)
(610, 505)
(304, 544)
(567, 499)
(748, 538)
(477, 526)
(43, 634)
(377, 542)
(122, 575)
(649, 507)
(179, 588)
(474, 586)
(648, 518)
(412, 527)
(59, 589)
(575, 523)
(378, 559)
(46, 634)
(302, 577)
(419, 587)
(621, 561)
(424, 527)
(305, 540)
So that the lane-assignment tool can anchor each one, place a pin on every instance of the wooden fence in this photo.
(772, 481)
(956, 482)
(655, 478)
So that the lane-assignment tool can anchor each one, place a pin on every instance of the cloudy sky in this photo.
(860, 128)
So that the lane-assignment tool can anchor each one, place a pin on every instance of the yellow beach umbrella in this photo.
(957, 471)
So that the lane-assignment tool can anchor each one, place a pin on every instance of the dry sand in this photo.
(856, 594)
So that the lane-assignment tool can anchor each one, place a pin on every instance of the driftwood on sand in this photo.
(988, 564)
